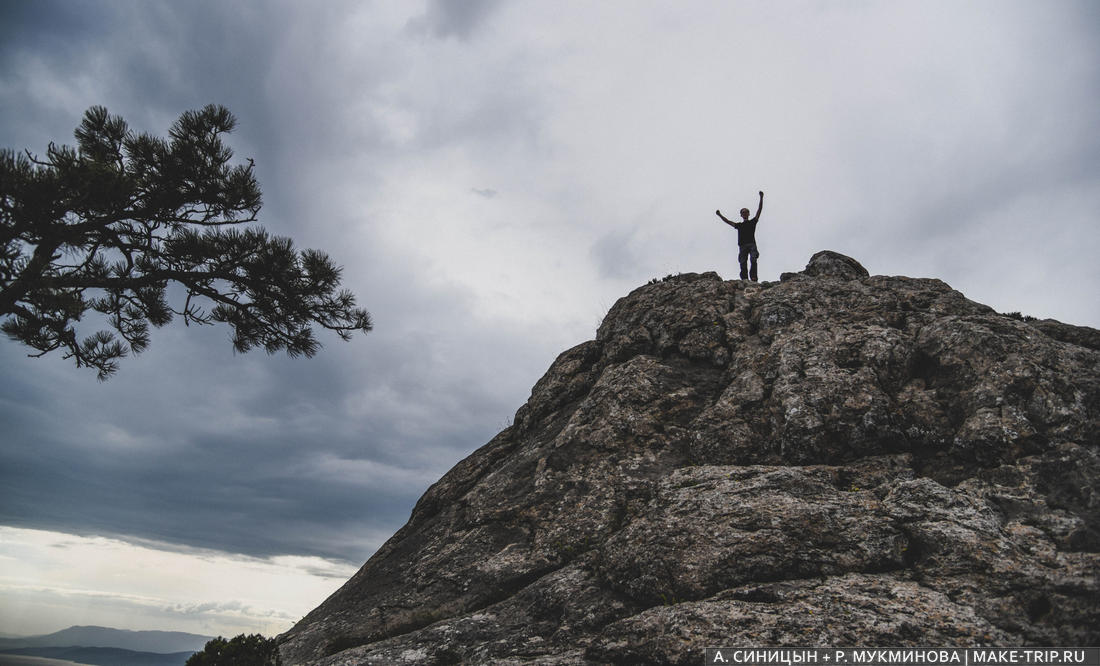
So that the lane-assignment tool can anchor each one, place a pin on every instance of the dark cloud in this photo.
(50, 29)
(276, 468)
(176, 448)
(453, 18)
(191, 444)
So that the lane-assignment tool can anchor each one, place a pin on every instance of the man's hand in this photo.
(718, 212)
(761, 194)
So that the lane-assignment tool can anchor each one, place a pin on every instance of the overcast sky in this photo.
(492, 176)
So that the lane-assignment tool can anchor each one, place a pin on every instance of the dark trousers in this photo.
(745, 253)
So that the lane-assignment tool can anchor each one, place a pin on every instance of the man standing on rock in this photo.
(746, 239)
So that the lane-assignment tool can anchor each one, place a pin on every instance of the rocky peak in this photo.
(832, 264)
(832, 459)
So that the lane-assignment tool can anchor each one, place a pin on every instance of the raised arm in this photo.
(761, 207)
(729, 222)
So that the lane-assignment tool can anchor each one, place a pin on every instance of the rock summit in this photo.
(835, 459)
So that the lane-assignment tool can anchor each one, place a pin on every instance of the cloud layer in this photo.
(56, 580)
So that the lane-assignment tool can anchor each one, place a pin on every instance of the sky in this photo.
(493, 176)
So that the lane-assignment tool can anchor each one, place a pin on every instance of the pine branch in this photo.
(128, 210)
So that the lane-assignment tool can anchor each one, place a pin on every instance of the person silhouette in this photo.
(746, 240)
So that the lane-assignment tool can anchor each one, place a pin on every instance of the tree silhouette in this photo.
(242, 650)
(108, 225)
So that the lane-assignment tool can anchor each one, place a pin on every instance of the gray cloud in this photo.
(614, 255)
(253, 454)
(452, 18)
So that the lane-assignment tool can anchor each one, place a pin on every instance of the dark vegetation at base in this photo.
(241, 650)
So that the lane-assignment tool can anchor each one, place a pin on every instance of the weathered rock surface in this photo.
(833, 459)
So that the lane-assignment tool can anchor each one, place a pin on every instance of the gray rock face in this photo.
(833, 459)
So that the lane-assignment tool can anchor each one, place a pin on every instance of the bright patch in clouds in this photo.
(50, 579)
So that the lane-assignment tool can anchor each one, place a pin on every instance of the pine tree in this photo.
(108, 225)
(242, 650)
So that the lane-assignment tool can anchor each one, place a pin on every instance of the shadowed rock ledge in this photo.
(832, 459)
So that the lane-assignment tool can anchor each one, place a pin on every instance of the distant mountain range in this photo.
(101, 656)
(110, 647)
